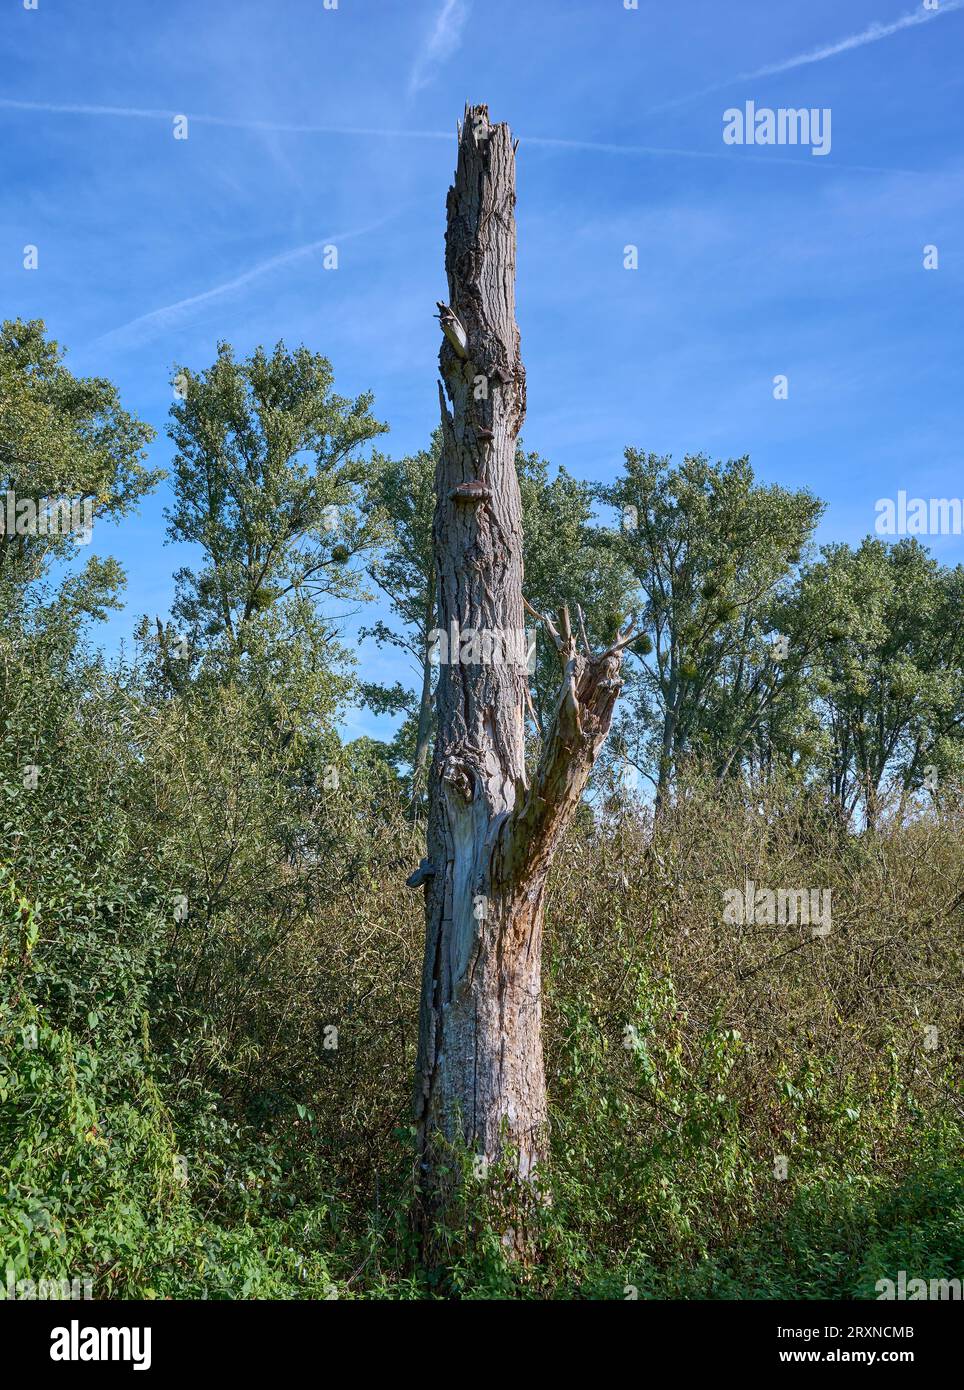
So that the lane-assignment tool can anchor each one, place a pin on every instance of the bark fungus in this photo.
(491, 832)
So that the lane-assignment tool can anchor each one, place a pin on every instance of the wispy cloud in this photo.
(366, 132)
(441, 43)
(872, 34)
(664, 152)
(144, 325)
(232, 123)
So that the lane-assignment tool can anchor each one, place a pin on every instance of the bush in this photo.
(175, 1120)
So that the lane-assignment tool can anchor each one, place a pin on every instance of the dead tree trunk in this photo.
(491, 835)
(423, 736)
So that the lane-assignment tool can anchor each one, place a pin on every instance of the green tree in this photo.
(889, 667)
(709, 550)
(267, 474)
(403, 492)
(62, 438)
(568, 562)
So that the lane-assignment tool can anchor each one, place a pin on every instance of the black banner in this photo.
(161, 1338)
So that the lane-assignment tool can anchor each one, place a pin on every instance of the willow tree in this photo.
(492, 831)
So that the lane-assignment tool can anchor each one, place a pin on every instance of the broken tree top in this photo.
(480, 361)
(477, 118)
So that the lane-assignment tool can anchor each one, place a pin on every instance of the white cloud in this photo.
(444, 39)
(872, 34)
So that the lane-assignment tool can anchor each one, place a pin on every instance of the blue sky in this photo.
(310, 126)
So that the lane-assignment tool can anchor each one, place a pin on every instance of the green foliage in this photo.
(889, 663)
(565, 559)
(680, 1062)
(267, 478)
(61, 437)
(210, 967)
(567, 563)
(710, 551)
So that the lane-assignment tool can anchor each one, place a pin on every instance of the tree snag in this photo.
(491, 835)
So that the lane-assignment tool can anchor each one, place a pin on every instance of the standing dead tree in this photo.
(491, 834)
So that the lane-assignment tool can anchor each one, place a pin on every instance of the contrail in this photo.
(158, 318)
(281, 127)
(872, 34)
(537, 141)
(599, 147)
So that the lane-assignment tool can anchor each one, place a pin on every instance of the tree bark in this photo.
(423, 735)
(668, 745)
(491, 836)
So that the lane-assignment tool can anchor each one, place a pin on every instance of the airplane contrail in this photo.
(159, 318)
(234, 123)
(872, 34)
(538, 141)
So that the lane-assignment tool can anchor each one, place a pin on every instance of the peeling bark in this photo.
(491, 836)
(424, 732)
